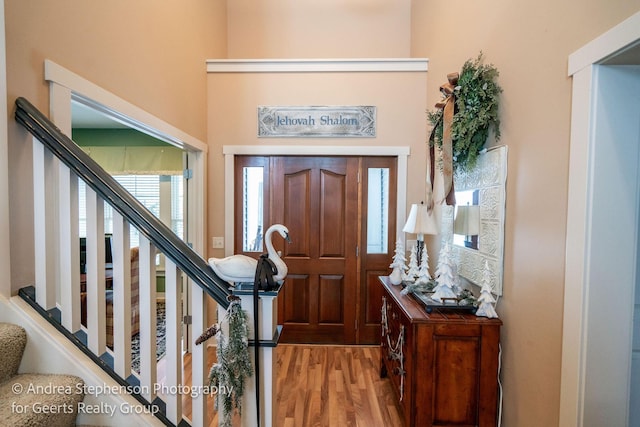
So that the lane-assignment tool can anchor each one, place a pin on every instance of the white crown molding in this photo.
(314, 150)
(317, 65)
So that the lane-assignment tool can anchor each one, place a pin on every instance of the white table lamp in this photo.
(421, 222)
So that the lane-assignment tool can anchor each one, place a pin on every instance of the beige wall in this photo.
(5, 253)
(234, 98)
(150, 53)
(319, 29)
(529, 42)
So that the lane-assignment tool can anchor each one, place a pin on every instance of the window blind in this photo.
(146, 189)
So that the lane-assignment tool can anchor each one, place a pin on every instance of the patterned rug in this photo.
(160, 339)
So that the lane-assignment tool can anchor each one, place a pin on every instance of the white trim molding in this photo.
(317, 65)
(66, 85)
(314, 150)
(230, 151)
(615, 41)
(120, 110)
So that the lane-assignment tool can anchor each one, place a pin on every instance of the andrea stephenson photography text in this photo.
(108, 408)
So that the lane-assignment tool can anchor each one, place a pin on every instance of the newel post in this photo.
(268, 335)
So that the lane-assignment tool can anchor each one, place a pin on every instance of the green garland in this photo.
(233, 364)
(476, 113)
(467, 298)
(418, 287)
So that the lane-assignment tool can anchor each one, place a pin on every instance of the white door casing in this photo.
(602, 222)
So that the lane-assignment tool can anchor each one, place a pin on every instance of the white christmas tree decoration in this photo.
(445, 276)
(398, 265)
(486, 299)
(423, 272)
(423, 281)
(414, 270)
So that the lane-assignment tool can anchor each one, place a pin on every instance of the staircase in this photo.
(33, 400)
(57, 295)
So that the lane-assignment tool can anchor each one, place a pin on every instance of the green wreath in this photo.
(475, 114)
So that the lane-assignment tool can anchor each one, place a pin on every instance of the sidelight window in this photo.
(377, 210)
(252, 208)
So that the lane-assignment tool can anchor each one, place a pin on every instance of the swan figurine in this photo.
(242, 268)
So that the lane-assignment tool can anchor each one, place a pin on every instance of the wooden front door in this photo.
(317, 199)
(331, 293)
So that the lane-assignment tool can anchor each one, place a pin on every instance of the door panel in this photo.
(332, 214)
(373, 296)
(330, 299)
(295, 313)
(319, 204)
(297, 211)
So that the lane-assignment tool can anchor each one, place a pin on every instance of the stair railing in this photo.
(62, 271)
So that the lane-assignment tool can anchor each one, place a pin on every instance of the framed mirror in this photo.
(481, 190)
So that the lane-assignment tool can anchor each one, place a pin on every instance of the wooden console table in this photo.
(443, 365)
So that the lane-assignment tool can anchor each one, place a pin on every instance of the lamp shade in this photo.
(467, 220)
(421, 221)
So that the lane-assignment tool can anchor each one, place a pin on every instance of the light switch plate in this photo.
(218, 243)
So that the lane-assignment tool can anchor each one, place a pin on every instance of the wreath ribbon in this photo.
(448, 110)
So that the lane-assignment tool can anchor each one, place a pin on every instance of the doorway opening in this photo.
(342, 213)
(599, 360)
(70, 93)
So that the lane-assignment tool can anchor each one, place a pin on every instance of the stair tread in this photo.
(13, 339)
(40, 400)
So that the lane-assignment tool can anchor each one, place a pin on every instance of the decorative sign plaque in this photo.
(324, 121)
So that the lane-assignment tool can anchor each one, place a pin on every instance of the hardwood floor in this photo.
(325, 386)
(333, 386)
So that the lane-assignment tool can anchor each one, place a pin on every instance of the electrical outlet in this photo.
(218, 243)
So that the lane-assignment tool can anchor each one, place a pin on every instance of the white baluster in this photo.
(67, 217)
(173, 340)
(44, 225)
(199, 413)
(147, 307)
(121, 296)
(95, 273)
(69, 248)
